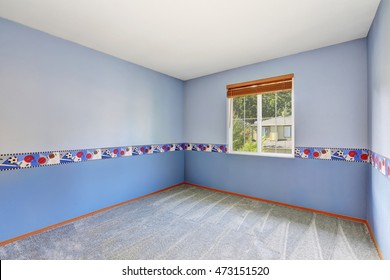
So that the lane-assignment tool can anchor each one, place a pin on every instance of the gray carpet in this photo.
(192, 223)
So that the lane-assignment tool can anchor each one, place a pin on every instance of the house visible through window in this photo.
(287, 131)
(261, 116)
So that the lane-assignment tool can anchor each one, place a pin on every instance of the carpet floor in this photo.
(192, 223)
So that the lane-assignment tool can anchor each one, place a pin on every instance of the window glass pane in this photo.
(280, 132)
(251, 107)
(283, 110)
(269, 139)
(250, 144)
(284, 146)
(276, 115)
(238, 134)
(287, 131)
(245, 135)
(266, 131)
(245, 124)
(238, 107)
(283, 104)
(268, 105)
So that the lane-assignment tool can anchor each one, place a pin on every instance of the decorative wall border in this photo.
(377, 161)
(40, 159)
(380, 163)
(340, 154)
(213, 148)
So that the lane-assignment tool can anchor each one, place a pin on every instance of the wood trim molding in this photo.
(260, 89)
(374, 240)
(2, 243)
(261, 81)
(273, 84)
(282, 204)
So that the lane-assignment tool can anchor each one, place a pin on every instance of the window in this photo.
(287, 131)
(261, 117)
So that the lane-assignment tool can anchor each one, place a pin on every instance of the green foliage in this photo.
(238, 134)
(276, 105)
(263, 138)
(241, 143)
(250, 147)
(245, 107)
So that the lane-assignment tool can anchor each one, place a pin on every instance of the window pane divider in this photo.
(259, 125)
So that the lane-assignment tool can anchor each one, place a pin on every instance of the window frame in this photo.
(260, 128)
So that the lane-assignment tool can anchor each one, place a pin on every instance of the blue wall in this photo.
(330, 89)
(31, 199)
(57, 95)
(378, 206)
(336, 187)
(330, 111)
(378, 210)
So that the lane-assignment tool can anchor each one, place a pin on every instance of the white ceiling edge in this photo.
(189, 39)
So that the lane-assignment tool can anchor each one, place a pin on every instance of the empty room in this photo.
(195, 130)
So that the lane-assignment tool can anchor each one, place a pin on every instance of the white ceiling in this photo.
(192, 38)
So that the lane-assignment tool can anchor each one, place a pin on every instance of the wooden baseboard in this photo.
(282, 204)
(374, 240)
(2, 243)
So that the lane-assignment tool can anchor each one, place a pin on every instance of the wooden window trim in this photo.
(261, 86)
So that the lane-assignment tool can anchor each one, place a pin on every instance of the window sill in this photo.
(274, 155)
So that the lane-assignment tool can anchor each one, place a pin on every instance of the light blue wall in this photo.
(336, 187)
(331, 111)
(379, 81)
(57, 95)
(31, 199)
(330, 97)
(378, 210)
(378, 206)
